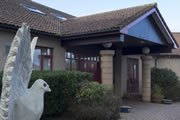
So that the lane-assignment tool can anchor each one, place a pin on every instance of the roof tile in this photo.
(104, 21)
(12, 13)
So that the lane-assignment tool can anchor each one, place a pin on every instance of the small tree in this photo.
(167, 80)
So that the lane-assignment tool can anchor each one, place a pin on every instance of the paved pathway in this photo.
(151, 111)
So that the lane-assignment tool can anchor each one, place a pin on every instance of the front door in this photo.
(132, 75)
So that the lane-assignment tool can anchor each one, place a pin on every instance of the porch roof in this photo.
(104, 21)
(119, 21)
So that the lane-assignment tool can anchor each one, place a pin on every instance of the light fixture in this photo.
(107, 45)
(146, 50)
(142, 42)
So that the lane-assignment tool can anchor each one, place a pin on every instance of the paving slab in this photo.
(151, 111)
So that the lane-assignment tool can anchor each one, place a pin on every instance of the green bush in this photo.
(95, 101)
(167, 80)
(63, 84)
(91, 93)
(174, 92)
(157, 90)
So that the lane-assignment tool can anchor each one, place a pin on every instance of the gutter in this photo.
(68, 37)
(13, 27)
(91, 34)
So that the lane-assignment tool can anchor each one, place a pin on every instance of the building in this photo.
(116, 46)
(169, 60)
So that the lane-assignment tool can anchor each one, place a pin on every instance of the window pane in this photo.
(44, 51)
(92, 66)
(76, 56)
(88, 58)
(94, 58)
(72, 55)
(48, 51)
(37, 59)
(134, 71)
(6, 51)
(68, 54)
(85, 66)
(74, 65)
(67, 64)
(46, 63)
(98, 59)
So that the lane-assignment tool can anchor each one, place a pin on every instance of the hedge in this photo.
(167, 80)
(63, 84)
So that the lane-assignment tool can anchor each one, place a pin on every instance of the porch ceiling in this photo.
(119, 40)
(130, 41)
(129, 44)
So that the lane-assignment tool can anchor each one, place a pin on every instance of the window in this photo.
(42, 58)
(58, 16)
(71, 61)
(6, 50)
(32, 9)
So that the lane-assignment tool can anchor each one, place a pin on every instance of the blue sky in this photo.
(170, 9)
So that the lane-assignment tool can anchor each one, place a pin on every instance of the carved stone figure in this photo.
(17, 101)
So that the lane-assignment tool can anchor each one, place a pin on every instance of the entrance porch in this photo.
(120, 56)
(124, 67)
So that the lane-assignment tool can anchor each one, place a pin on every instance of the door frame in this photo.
(132, 61)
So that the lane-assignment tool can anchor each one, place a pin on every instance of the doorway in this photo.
(132, 75)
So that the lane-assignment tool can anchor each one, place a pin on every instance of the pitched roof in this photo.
(12, 13)
(104, 21)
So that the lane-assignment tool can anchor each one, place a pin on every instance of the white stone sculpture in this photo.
(17, 101)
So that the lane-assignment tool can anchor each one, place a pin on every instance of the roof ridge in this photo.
(151, 4)
(140, 14)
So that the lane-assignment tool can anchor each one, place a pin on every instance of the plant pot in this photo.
(125, 108)
(157, 99)
(167, 101)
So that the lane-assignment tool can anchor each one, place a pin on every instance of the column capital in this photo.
(107, 52)
(146, 57)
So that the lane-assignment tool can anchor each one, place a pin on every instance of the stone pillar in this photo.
(107, 67)
(146, 78)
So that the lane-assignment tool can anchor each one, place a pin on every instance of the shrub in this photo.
(91, 93)
(167, 80)
(174, 92)
(63, 84)
(157, 90)
(95, 101)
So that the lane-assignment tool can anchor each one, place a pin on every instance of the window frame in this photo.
(71, 58)
(6, 52)
(32, 9)
(61, 17)
(42, 57)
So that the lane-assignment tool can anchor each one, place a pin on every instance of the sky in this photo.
(170, 9)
